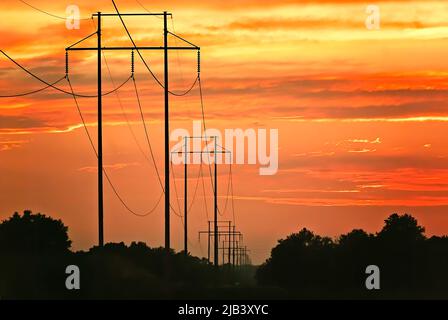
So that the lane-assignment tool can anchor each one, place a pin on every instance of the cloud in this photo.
(20, 122)
(315, 23)
(315, 154)
(364, 161)
(361, 150)
(418, 109)
(115, 166)
(59, 8)
(344, 202)
(7, 145)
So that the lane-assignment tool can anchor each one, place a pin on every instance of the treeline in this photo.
(35, 251)
(411, 265)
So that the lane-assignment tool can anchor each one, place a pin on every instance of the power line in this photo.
(228, 192)
(138, 51)
(228, 181)
(125, 115)
(177, 52)
(117, 95)
(205, 196)
(124, 203)
(175, 191)
(135, 46)
(59, 89)
(233, 203)
(176, 37)
(146, 131)
(32, 92)
(144, 8)
(196, 188)
(146, 64)
(149, 143)
(208, 154)
(114, 189)
(47, 13)
(186, 91)
(205, 128)
(147, 134)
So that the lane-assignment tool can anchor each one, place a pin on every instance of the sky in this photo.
(361, 116)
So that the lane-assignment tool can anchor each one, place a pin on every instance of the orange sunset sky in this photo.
(361, 114)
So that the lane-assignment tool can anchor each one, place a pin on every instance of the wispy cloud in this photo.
(361, 150)
(6, 145)
(113, 167)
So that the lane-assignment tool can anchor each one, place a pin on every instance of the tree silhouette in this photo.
(354, 251)
(401, 252)
(297, 261)
(356, 239)
(401, 229)
(33, 253)
(411, 265)
(35, 233)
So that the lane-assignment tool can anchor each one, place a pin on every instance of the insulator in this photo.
(132, 61)
(66, 62)
(199, 61)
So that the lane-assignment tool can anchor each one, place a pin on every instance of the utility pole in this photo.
(167, 133)
(233, 246)
(208, 237)
(246, 259)
(100, 143)
(229, 237)
(165, 49)
(223, 251)
(216, 206)
(229, 240)
(215, 192)
(237, 253)
(186, 198)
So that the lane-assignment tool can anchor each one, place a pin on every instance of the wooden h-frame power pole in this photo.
(186, 152)
(165, 48)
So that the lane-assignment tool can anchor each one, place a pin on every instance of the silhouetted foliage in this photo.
(411, 265)
(34, 254)
(33, 233)
(309, 253)
(399, 230)
(31, 249)
(138, 271)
